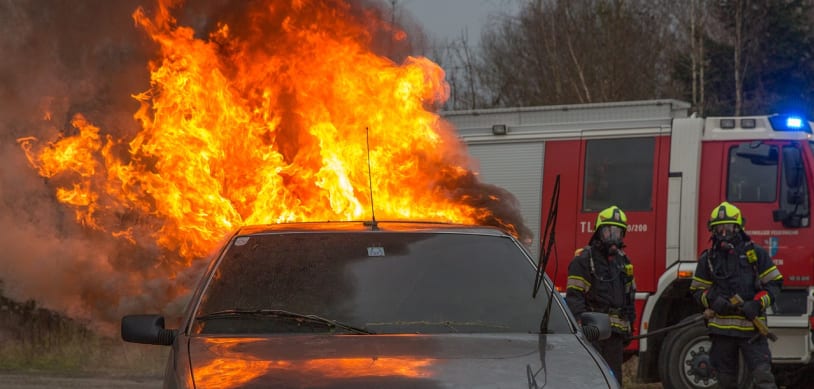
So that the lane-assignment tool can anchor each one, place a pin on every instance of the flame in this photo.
(283, 113)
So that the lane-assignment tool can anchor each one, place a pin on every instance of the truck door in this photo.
(631, 174)
(768, 181)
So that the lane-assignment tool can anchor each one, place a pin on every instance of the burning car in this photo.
(375, 304)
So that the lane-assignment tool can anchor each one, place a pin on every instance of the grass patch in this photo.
(35, 339)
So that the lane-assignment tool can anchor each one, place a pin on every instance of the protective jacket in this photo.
(599, 284)
(745, 269)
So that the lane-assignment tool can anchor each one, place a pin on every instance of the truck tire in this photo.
(684, 361)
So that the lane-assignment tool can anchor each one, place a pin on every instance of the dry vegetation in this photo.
(34, 339)
(629, 372)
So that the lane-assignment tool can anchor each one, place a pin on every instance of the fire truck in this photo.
(667, 169)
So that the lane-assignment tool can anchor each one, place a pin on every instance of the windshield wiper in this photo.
(546, 246)
(452, 325)
(229, 313)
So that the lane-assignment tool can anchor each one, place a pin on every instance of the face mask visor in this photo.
(725, 232)
(611, 235)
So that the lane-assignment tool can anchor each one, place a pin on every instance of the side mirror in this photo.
(147, 329)
(788, 219)
(795, 198)
(596, 326)
(793, 167)
(780, 215)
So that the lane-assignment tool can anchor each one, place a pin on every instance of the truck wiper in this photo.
(235, 313)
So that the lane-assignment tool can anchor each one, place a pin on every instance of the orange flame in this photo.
(274, 117)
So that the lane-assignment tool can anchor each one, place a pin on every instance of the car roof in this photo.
(360, 226)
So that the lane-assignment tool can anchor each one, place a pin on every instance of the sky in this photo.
(446, 20)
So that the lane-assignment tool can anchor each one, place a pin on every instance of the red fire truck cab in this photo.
(667, 170)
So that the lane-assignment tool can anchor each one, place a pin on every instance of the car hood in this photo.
(395, 361)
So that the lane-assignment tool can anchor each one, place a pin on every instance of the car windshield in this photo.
(381, 282)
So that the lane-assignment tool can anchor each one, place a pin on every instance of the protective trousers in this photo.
(724, 359)
(611, 350)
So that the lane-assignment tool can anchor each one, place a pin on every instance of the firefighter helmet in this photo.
(611, 216)
(725, 213)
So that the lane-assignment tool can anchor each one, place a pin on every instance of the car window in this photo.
(386, 282)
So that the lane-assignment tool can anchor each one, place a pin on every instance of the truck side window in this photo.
(618, 172)
(752, 173)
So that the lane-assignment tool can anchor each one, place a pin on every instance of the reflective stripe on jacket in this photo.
(733, 323)
(746, 270)
(607, 286)
(619, 323)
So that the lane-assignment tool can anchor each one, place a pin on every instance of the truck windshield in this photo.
(384, 282)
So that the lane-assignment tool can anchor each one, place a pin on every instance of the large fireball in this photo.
(279, 111)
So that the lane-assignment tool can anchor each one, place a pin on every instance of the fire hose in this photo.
(707, 314)
(688, 321)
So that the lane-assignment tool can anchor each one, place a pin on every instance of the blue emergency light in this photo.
(789, 123)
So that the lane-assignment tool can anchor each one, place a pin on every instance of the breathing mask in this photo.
(726, 235)
(611, 237)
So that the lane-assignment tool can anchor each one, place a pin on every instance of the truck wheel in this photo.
(684, 361)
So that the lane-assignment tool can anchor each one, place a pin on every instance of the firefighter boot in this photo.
(764, 379)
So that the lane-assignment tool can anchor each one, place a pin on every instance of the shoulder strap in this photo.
(709, 254)
(591, 261)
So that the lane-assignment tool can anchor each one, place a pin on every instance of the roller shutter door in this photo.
(518, 168)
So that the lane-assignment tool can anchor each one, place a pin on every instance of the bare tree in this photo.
(575, 51)
(740, 25)
(749, 24)
(697, 27)
(738, 51)
(458, 58)
(400, 18)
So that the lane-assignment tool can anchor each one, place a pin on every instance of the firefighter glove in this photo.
(721, 306)
(751, 309)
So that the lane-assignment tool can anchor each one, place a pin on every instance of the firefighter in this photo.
(600, 279)
(735, 265)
